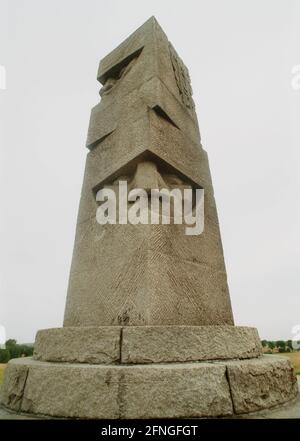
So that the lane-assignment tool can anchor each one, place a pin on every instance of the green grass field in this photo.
(2, 367)
(295, 360)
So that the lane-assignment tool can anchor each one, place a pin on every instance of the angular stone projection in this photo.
(148, 329)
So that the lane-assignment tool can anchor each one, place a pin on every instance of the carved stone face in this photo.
(149, 175)
(112, 80)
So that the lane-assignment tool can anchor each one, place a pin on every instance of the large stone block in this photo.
(80, 345)
(98, 391)
(146, 344)
(154, 344)
(74, 391)
(11, 392)
(261, 384)
(175, 391)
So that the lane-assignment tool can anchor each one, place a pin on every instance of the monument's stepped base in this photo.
(149, 372)
(146, 344)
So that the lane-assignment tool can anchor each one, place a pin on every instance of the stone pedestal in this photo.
(147, 372)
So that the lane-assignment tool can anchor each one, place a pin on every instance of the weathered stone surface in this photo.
(148, 54)
(99, 391)
(75, 391)
(148, 391)
(154, 95)
(153, 344)
(137, 275)
(139, 288)
(260, 384)
(12, 389)
(80, 345)
(146, 344)
(175, 391)
(291, 409)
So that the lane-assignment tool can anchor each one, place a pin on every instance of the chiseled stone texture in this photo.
(65, 390)
(80, 345)
(12, 389)
(153, 344)
(146, 274)
(261, 384)
(101, 391)
(175, 391)
(290, 409)
(146, 344)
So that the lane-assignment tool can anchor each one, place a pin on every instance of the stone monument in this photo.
(148, 329)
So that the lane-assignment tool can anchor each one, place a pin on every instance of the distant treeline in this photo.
(281, 345)
(14, 350)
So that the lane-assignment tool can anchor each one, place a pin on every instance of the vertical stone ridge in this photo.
(22, 396)
(230, 391)
(121, 393)
(121, 345)
(12, 390)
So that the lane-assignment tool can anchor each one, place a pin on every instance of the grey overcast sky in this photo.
(240, 55)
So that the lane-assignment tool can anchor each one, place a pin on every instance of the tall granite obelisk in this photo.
(148, 329)
(145, 128)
